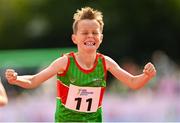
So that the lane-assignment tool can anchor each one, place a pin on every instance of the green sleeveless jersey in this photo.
(80, 91)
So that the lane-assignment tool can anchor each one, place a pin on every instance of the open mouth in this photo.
(89, 43)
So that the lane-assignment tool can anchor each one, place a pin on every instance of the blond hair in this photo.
(87, 13)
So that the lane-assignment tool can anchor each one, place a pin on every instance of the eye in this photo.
(95, 33)
(84, 33)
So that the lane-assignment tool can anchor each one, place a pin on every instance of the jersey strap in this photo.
(71, 55)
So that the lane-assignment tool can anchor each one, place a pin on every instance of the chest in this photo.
(80, 77)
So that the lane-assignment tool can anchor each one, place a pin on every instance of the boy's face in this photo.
(88, 36)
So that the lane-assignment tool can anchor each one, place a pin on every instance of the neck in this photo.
(86, 60)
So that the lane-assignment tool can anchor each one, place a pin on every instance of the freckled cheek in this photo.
(98, 39)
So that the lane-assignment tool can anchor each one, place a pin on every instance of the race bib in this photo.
(83, 99)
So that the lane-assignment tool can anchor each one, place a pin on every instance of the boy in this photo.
(3, 96)
(81, 76)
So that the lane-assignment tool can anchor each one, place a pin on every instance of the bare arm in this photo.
(32, 81)
(133, 81)
(3, 96)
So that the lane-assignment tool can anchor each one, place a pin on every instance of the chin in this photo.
(91, 50)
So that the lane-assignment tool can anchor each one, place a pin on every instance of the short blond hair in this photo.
(87, 13)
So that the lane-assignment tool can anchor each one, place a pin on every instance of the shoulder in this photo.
(60, 62)
(63, 58)
(107, 58)
(109, 62)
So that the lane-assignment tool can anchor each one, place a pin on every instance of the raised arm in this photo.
(133, 81)
(32, 81)
(3, 96)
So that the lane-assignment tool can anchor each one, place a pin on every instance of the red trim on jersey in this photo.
(67, 66)
(62, 91)
(85, 70)
(101, 96)
(104, 65)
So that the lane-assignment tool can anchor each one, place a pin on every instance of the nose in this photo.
(90, 35)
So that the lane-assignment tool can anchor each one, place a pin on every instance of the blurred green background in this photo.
(134, 28)
(33, 33)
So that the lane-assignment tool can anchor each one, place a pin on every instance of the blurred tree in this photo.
(132, 28)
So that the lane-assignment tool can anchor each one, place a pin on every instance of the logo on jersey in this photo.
(72, 79)
(84, 92)
(97, 80)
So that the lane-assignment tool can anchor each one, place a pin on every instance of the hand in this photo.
(149, 70)
(11, 76)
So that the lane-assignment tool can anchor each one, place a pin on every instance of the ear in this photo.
(101, 38)
(73, 37)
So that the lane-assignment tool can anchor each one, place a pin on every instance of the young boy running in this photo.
(81, 76)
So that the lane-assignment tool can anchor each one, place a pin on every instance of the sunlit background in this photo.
(33, 33)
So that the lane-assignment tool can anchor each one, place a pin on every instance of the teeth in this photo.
(89, 43)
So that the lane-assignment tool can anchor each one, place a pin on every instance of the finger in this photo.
(11, 76)
(147, 66)
(10, 70)
(15, 74)
(151, 69)
(150, 72)
(10, 73)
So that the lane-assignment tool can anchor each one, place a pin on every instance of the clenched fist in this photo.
(149, 70)
(11, 76)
